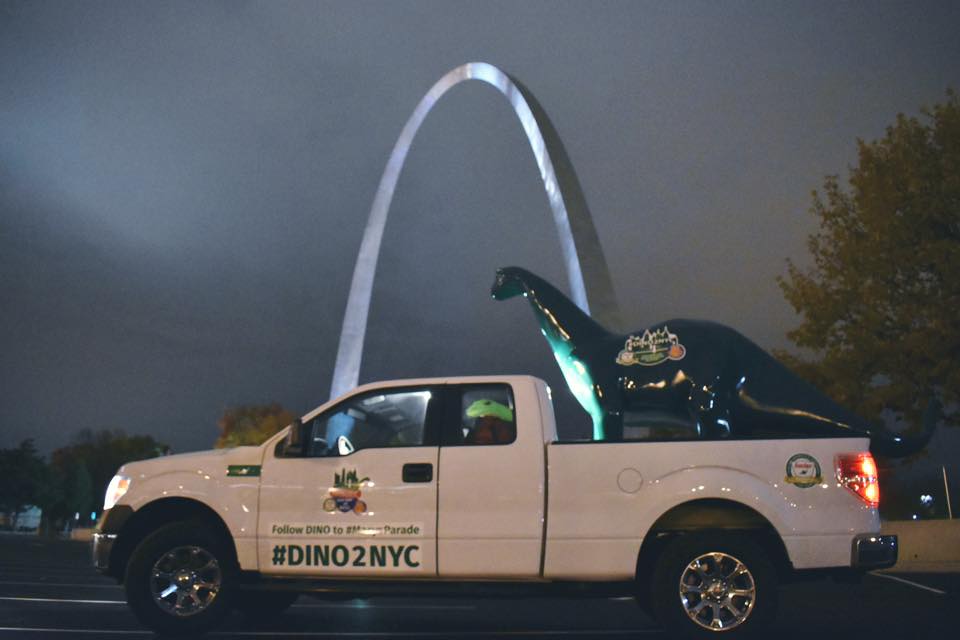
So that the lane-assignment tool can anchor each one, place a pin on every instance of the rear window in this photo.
(487, 416)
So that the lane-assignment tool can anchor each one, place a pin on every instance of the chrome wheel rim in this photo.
(717, 591)
(185, 581)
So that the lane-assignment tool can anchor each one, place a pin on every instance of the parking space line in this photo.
(909, 582)
(590, 633)
(304, 605)
(52, 569)
(332, 605)
(139, 632)
(59, 584)
(60, 600)
(359, 634)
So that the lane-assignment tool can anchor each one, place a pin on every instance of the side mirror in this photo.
(293, 444)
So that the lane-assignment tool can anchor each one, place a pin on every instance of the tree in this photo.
(92, 459)
(78, 491)
(879, 305)
(251, 425)
(22, 480)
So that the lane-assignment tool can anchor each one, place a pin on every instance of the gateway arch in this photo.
(582, 255)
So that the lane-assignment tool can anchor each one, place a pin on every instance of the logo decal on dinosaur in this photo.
(652, 348)
(344, 495)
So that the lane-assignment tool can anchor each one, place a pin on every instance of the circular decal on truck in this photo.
(344, 495)
(803, 471)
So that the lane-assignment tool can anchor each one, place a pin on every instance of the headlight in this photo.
(115, 490)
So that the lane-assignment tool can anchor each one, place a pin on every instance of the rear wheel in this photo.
(179, 579)
(714, 582)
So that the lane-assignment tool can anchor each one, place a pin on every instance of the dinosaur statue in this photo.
(687, 379)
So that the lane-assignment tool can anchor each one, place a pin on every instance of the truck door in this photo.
(492, 482)
(361, 497)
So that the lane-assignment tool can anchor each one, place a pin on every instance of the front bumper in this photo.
(102, 548)
(105, 536)
(871, 551)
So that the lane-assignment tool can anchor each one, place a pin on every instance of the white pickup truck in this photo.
(461, 485)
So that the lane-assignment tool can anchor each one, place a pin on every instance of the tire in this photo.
(261, 607)
(180, 579)
(709, 583)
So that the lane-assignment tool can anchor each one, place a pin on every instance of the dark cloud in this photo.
(183, 186)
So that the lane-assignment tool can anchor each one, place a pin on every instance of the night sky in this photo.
(183, 186)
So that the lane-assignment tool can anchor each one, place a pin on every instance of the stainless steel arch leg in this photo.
(582, 254)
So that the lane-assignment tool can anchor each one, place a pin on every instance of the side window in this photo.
(373, 420)
(487, 415)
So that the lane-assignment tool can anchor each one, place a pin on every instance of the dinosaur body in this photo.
(685, 379)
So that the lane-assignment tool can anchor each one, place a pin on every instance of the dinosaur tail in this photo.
(894, 445)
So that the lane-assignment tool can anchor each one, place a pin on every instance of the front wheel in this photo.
(709, 583)
(179, 579)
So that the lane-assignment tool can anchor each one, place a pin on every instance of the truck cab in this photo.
(461, 485)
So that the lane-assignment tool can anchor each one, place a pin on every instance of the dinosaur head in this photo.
(508, 283)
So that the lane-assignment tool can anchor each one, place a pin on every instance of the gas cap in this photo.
(630, 480)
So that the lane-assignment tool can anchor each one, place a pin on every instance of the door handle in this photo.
(418, 472)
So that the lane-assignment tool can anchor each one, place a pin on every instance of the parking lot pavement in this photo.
(49, 590)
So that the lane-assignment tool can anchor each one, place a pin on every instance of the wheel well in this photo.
(149, 517)
(711, 514)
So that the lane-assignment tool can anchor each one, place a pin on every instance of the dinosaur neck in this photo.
(561, 320)
(565, 326)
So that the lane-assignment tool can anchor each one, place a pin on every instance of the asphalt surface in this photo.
(49, 590)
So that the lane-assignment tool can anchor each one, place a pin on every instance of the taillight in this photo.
(858, 473)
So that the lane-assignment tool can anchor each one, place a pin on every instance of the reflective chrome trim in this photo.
(185, 581)
(717, 591)
(872, 551)
(100, 548)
